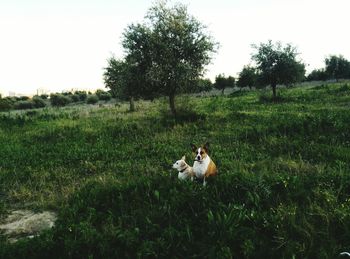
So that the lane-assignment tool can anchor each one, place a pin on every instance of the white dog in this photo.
(185, 171)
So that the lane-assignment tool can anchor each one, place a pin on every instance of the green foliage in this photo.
(82, 95)
(203, 85)
(38, 102)
(317, 75)
(59, 100)
(23, 98)
(200, 85)
(247, 77)
(6, 103)
(278, 64)
(170, 50)
(24, 105)
(92, 99)
(119, 79)
(103, 96)
(281, 192)
(44, 96)
(75, 98)
(337, 67)
(221, 82)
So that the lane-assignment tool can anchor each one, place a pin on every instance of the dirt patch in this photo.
(26, 223)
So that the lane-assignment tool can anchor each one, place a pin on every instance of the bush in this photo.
(23, 98)
(24, 105)
(102, 95)
(75, 98)
(92, 99)
(6, 104)
(59, 100)
(82, 95)
(44, 96)
(67, 93)
(105, 96)
(38, 102)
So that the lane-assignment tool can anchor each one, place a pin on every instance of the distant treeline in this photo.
(55, 100)
(336, 67)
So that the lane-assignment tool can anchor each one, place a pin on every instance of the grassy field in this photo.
(283, 189)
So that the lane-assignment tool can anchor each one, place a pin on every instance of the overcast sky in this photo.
(63, 44)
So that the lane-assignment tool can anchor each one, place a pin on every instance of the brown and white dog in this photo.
(185, 171)
(203, 166)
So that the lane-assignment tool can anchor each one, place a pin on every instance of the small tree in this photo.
(278, 64)
(6, 103)
(337, 67)
(81, 94)
(203, 85)
(103, 95)
(92, 99)
(38, 102)
(59, 100)
(221, 82)
(119, 77)
(171, 49)
(247, 77)
(317, 75)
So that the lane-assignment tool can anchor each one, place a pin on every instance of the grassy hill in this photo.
(283, 189)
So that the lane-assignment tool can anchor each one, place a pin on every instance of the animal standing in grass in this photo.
(203, 166)
(185, 171)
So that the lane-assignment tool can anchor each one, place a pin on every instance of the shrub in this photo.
(75, 98)
(6, 104)
(24, 105)
(23, 98)
(105, 96)
(102, 95)
(59, 100)
(38, 102)
(92, 99)
(82, 95)
(44, 96)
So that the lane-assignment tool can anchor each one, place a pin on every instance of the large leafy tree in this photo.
(171, 48)
(278, 64)
(337, 67)
(247, 77)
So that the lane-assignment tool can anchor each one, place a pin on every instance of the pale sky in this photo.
(63, 44)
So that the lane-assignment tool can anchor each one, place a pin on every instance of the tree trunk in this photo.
(172, 104)
(273, 85)
(222, 91)
(132, 104)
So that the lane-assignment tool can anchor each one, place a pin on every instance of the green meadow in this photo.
(283, 189)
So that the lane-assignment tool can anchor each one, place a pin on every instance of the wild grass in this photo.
(282, 190)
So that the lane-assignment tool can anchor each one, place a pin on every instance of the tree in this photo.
(247, 77)
(118, 78)
(170, 49)
(203, 85)
(278, 64)
(317, 75)
(221, 82)
(337, 67)
(59, 100)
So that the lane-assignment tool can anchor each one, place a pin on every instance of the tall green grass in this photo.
(282, 190)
